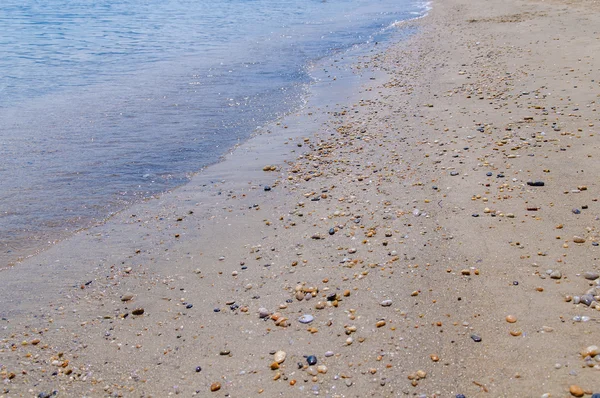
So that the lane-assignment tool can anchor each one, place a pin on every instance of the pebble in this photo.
(329, 354)
(476, 338)
(578, 239)
(127, 297)
(306, 318)
(198, 369)
(263, 313)
(511, 319)
(280, 356)
(591, 351)
(138, 311)
(386, 303)
(587, 299)
(591, 276)
(215, 387)
(576, 391)
(556, 274)
(454, 173)
(322, 369)
(311, 360)
(331, 231)
(460, 396)
(576, 211)
(535, 183)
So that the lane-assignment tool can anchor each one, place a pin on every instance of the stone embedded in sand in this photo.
(578, 239)
(386, 303)
(279, 356)
(556, 274)
(138, 311)
(576, 391)
(215, 387)
(511, 318)
(465, 272)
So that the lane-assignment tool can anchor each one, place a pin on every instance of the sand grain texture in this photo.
(389, 228)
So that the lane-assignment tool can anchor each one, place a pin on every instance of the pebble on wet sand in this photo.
(215, 387)
(476, 338)
(138, 311)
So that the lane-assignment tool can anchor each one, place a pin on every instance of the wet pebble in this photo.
(215, 387)
(331, 231)
(138, 311)
(311, 360)
(198, 369)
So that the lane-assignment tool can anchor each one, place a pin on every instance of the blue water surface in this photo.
(106, 101)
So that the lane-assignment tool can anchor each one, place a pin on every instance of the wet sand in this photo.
(438, 230)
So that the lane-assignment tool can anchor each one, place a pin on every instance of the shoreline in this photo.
(409, 248)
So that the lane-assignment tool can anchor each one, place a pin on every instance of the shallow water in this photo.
(103, 103)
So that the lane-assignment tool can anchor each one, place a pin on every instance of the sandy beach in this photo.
(431, 234)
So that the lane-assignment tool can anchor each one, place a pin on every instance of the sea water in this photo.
(105, 102)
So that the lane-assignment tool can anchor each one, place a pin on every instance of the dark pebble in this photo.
(217, 310)
(244, 267)
(516, 283)
(460, 396)
(596, 395)
(138, 311)
(189, 306)
(434, 187)
(454, 173)
(198, 369)
(594, 243)
(311, 359)
(331, 296)
(475, 215)
(576, 211)
(535, 183)
(47, 394)
(476, 338)
(584, 207)
(500, 175)
(267, 188)
(331, 231)
(489, 174)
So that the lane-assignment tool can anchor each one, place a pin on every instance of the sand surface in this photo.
(402, 223)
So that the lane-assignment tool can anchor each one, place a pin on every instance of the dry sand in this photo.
(427, 252)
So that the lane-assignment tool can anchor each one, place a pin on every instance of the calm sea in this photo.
(103, 102)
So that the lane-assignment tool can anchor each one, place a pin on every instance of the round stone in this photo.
(279, 356)
(311, 360)
(576, 391)
(511, 318)
(306, 318)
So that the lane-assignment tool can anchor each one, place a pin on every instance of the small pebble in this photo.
(311, 360)
(306, 318)
(280, 356)
(591, 276)
(476, 338)
(198, 369)
(576, 391)
(138, 311)
(386, 303)
(576, 211)
(215, 387)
